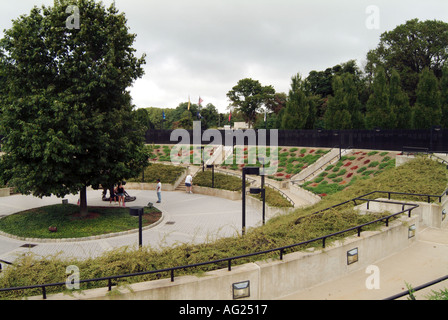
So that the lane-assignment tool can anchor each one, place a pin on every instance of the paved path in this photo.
(187, 218)
(422, 262)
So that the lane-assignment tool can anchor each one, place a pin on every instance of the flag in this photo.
(200, 101)
(163, 115)
(188, 102)
(230, 115)
(265, 115)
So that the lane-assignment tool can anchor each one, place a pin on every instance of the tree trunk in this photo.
(83, 202)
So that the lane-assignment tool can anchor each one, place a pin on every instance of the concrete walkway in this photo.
(422, 262)
(187, 218)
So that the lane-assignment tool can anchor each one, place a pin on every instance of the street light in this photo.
(213, 173)
(246, 170)
(338, 133)
(263, 195)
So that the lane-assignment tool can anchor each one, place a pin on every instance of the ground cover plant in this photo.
(356, 165)
(166, 173)
(289, 160)
(35, 223)
(418, 176)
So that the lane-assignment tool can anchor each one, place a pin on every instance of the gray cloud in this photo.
(202, 48)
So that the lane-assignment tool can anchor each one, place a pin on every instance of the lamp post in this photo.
(338, 133)
(246, 170)
(213, 173)
(262, 191)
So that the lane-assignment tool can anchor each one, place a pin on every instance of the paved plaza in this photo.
(187, 218)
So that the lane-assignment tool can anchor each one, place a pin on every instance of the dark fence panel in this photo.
(430, 140)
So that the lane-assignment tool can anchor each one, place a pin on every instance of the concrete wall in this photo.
(270, 279)
(430, 214)
(5, 192)
(152, 186)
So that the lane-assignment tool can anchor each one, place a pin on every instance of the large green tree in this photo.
(344, 107)
(399, 102)
(444, 97)
(249, 96)
(67, 116)
(379, 111)
(409, 49)
(427, 108)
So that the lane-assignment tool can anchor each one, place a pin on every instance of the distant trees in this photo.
(248, 96)
(403, 85)
(344, 108)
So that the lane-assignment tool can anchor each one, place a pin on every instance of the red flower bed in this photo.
(350, 175)
(312, 150)
(343, 182)
(347, 164)
(280, 174)
(288, 176)
(360, 158)
(323, 194)
(354, 168)
(367, 161)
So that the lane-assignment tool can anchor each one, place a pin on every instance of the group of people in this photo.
(118, 195)
(188, 185)
(119, 192)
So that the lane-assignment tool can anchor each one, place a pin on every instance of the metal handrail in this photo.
(423, 286)
(320, 168)
(229, 259)
(281, 193)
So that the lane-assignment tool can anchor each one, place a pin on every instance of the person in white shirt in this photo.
(189, 183)
(159, 191)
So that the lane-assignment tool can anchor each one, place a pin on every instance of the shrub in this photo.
(373, 164)
(166, 173)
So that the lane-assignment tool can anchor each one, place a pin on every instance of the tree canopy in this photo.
(67, 117)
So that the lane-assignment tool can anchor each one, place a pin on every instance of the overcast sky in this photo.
(204, 47)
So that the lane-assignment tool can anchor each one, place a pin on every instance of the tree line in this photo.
(403, 85)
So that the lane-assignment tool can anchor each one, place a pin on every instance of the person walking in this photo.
(189, 183)
(159, 191)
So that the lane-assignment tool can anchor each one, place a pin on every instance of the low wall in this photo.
(5, 192)
(306, 195)
(269, 279)
(152, 186)
(215, 192)
(430, 214)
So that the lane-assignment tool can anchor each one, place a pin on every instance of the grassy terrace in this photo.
(418, 176)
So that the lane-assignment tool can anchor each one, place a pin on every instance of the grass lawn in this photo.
(34, 223)
(166, 173)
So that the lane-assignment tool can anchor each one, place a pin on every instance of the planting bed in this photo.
(356, 165)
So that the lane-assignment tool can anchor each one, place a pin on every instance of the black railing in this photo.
(280, 250)
(423, 286)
